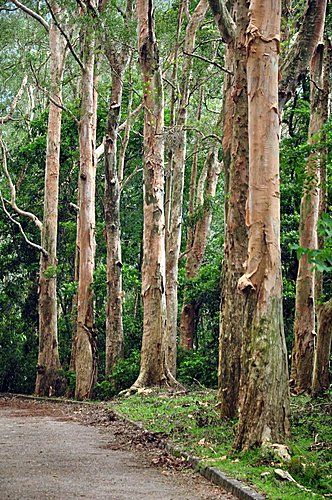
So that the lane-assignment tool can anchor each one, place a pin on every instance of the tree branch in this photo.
(202, 58)
(66, 37)
(13, 105)
(223, 20)
(32, 13)
(12, 189)
(29, 242)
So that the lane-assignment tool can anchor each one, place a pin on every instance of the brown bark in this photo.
(49, 381)
(86, 368)
(195, 253)
(297, 60)
(321, 378)
(304, 325)
(118, 58)
(173, 237)
(232, 310)
(264, 397)
(153, 369)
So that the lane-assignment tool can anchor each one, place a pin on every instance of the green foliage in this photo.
(192, 422)
(122, 377)
(197, 368)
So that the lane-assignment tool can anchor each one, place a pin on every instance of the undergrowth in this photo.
(192, 421)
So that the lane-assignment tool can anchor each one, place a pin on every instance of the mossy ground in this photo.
(192, 422)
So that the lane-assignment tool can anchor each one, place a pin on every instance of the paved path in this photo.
(45, 456)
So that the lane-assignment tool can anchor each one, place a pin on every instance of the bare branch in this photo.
(214, 63)
(32, 13)
(13, 105)
(12, 188)
(29, 242)
(66, 37)
(223, 19)
(130, 176)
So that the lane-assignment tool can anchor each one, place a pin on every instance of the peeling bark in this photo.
(49, 381)
(264, 396)
(304, 325)
(232, 309)
(86, 367)
(298, 58)
(195, 254)
(173, 237)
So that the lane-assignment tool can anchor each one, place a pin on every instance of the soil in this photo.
(63, 451)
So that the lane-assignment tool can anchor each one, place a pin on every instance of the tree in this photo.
(304, 326)
(264, 396)
(85, 357)
(49, 381)
(118, 56)
(153, 369)
(173, 237)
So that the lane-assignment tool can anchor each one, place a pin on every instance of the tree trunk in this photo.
(205, 193)
(86, 368)
(264, 396)
(304, 326)
(153, 369)
(173, 237)
(49, 381)
(232, 319)
(321, 376)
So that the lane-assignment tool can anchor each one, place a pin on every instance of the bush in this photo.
(197, 367)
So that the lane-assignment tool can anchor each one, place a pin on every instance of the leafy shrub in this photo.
(196, 367)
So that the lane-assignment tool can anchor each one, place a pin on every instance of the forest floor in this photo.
(64, 451)
(192, 422)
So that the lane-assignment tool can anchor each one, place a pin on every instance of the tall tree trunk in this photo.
(206, 191)
(49, 381)
(264, 396)
(173, 237)
(304, 326)
(232, 311)
(153, 369)
(86, 367)
(114, 326)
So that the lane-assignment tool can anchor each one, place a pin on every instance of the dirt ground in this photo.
(64, 451)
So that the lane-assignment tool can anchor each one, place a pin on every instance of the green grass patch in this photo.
(192, 422)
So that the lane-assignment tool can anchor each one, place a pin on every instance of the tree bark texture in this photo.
(297, 61)
(206, 191)
(232, 320)
(264, 395)
(173, 237)
(118, 59)
(304, 325)
(49, 381)
(153, 369)
(86, 368)
(321, 376)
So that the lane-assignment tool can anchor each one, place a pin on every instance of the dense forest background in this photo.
(25, 51)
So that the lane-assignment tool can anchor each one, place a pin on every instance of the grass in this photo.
(192, 422)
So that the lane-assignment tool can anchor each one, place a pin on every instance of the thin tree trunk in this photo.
(232, 320)
(173, 241)
(153, 370)
(86, 367)
(206, 191)
(49, 381)
(321, 376)
(264, 395)
(114, 326)
(304, 326)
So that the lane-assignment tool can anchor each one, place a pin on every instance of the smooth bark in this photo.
(264, 396)
(173, 237)
(49, 380)
(321, 375)
(86, 368)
